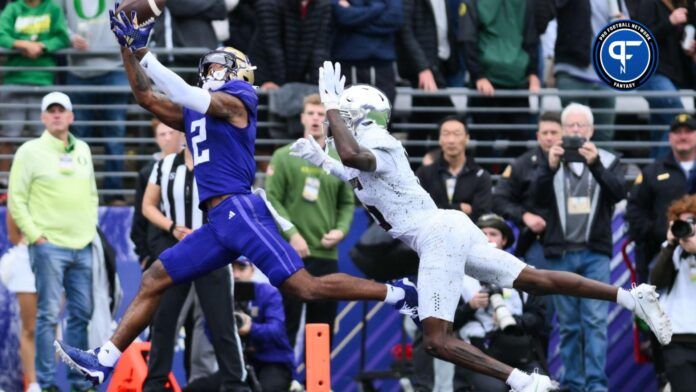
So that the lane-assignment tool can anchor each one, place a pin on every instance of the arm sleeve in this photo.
(345, 207)
(483, 199)
(276, 187)
(273, 326)
(611, 181)
(59, 36)
(19, 188)
(174, 87)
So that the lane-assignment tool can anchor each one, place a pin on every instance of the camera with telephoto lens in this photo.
(506, 321)
(571, 145)
(682, 229)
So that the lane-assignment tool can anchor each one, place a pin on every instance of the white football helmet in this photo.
(362, 105)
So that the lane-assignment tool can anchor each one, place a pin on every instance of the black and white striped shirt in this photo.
(178, 190)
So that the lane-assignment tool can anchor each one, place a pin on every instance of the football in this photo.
(145, 9)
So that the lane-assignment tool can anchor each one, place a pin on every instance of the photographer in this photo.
(505, 323)
(267, 344)
(581, 184)
(675, 271)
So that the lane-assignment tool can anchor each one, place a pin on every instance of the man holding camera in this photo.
(505, 323)
(675, 271)
(267, 344)
(659, 184)
(583, 183)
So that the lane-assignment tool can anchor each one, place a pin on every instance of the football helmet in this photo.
(362, 105)
(237, 66)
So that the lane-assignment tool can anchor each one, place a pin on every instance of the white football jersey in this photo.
(392, 194)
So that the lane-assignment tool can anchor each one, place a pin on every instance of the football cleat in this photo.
(84, 362)
(409, 304)
(648, 309)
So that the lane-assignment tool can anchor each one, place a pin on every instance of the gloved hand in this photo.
(331, 84)
(129, 33)
(309, 150)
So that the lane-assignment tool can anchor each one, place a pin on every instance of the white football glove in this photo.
(331, 84)
(309, 150)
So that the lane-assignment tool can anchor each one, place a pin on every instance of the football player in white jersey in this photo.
(448, 243)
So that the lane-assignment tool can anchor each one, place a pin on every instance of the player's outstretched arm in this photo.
(351, 153)
(133, 38)
(162, 107)
(331, 85)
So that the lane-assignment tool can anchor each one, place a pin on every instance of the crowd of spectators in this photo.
(560, 195)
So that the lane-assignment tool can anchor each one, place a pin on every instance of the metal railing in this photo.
(630, 138)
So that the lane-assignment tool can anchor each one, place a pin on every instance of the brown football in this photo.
(145, 9)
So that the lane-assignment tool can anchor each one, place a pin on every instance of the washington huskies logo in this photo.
(625, 54)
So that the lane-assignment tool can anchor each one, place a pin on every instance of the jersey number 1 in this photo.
(199, 156)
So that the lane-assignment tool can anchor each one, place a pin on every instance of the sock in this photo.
(394, 294)
(625, 299)
(34, 387)
(108, 354)
(518, 380)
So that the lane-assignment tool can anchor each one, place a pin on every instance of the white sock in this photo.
(518, 380)
(108, 354)
(34, 387)
(625, 299)
(394, 294)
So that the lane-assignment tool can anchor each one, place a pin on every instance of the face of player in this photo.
(57, 119)
(453, 138)
(577, 124)
(495, 237)
(683, 141)
(168, 139)
(242, 272)
(549, 134)
(312, 119)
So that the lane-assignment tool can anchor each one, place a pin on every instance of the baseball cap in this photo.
(683, 120)
(496, 222)
(56, 98)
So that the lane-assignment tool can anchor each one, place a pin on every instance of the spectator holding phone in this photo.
(581, 184)
(675, 271)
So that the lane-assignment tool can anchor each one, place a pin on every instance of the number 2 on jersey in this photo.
(199, 156)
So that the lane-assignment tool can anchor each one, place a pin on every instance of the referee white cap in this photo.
(56, 98)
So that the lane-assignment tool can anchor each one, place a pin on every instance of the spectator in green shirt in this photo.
(36, 28)
(53, 200)
(321, 208)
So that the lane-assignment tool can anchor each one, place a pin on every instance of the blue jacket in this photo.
(366, 31)
(268, 335)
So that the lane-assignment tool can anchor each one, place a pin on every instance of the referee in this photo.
(171, 203)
